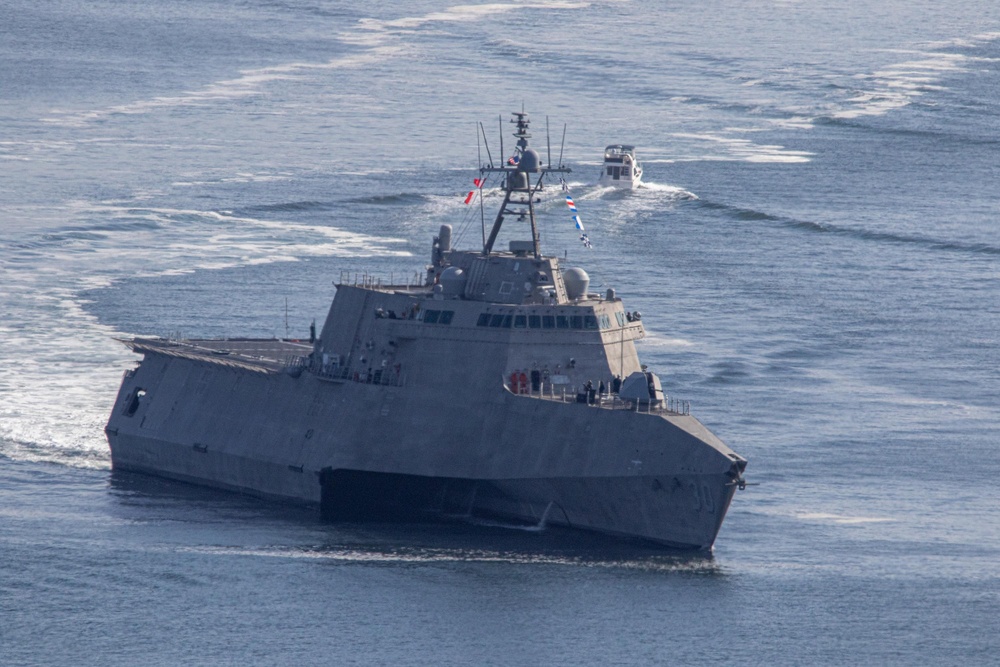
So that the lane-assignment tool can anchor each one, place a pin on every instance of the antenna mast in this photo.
(548, 142)
(563, 144)
(486, 143)
(517, 182)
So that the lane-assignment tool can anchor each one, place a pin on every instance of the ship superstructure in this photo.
(498, 386)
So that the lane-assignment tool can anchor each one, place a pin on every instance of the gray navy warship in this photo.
(470, 392)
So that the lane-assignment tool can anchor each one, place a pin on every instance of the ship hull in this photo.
(359, 450)
(682, 513)
(621, 184)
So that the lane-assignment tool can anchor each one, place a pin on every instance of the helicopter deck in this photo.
(266, 355)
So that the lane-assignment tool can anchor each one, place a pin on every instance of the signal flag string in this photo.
(478, 182)
(584, 239)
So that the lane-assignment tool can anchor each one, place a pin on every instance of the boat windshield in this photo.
(618, 151)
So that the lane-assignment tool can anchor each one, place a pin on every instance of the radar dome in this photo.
(577, 282)
(529, 161)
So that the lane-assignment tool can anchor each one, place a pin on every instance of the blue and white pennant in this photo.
(576, 219)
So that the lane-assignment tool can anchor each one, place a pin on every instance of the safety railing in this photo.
(372, 281)
(606, 401)
(386, 377)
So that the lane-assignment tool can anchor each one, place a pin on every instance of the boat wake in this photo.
(672, 191)
(103, 245)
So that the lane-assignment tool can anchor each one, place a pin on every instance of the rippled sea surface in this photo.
(815, 254)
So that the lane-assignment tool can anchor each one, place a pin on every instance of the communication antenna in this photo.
(548, 141)
(562, 145)
(286, 317)
(500, 120)
(486, 143)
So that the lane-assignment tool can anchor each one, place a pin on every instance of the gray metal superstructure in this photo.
(464, 394)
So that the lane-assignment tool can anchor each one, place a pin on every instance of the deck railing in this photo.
(606, 401)
(386, 377)
(372, 281)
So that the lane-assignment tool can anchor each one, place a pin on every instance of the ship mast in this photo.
(519, 191)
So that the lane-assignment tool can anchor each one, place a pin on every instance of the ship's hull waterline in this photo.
(359, 450)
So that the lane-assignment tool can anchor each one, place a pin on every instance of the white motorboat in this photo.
(621, 167)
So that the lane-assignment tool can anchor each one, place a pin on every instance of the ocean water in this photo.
(815, 254)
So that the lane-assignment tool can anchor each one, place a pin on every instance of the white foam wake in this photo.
(60, 367)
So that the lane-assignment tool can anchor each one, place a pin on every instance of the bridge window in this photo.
(438, 316)
(508, 321)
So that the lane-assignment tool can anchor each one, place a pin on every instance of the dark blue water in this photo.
(815, 255)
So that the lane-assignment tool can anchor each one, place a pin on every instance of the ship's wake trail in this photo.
(104, 245)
